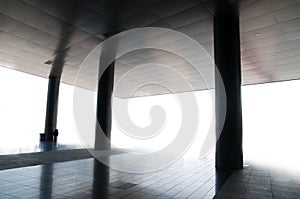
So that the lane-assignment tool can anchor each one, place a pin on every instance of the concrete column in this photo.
(52, 106)
(104, 106)
(229, 154)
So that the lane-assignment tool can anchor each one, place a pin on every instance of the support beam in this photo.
(229, 154)
(52, 106)
(104, 106)
(73, 13)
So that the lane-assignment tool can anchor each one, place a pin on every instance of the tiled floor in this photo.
(31, 159)
(31, 147)
(88, 178)
(256, 182)
(48, 157)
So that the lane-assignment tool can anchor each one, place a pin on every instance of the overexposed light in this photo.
(270, 119)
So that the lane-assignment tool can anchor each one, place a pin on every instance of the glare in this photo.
(270, 119)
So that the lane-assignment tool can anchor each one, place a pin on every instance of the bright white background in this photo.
(270, 119)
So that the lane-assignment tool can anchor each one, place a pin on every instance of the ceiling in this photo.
(33, 32)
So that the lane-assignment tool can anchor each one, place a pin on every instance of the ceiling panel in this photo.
(253, 10)
(279, 4)
(258, 22)
(291, 25)
(165, 8)
(35, 31)
(261, 33)
(188, 16)
(197, 27)
(289, 13)
(140, 19)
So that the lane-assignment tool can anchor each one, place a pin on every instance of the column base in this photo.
(44, 138)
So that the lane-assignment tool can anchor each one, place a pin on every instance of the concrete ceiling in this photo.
(33, 32)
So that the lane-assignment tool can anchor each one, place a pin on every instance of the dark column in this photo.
(106, 80)
(104, 105)
(229, 154)
(52, 106)
(101, 179)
